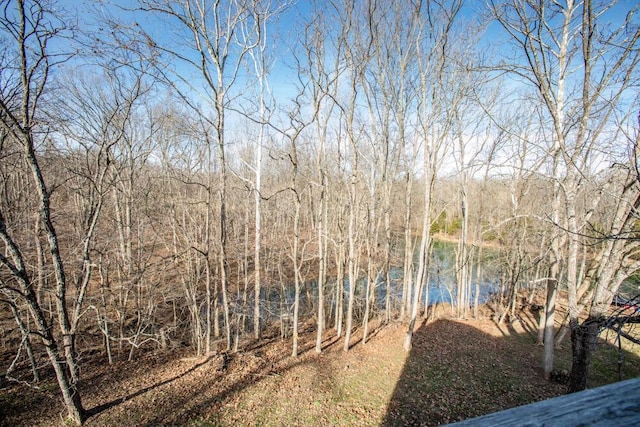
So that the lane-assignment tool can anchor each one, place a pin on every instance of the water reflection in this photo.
(278, 300)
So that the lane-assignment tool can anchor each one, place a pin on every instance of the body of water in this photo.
(442, 286)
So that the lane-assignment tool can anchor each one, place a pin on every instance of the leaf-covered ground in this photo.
(455, 370)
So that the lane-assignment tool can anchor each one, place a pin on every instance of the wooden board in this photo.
(616, 404)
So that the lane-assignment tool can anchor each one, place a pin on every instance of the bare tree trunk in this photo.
(387, 260)
(26, 339)
(369, 284)
(549, 326)
(70, 394)
(258, 235)
(340, 255)
(479, 272)
(351, 262)
(371, 243)
(207, 252)
(462, 256)
(408, 249)
(584, 338)
(425, 247)
(222, 200)
(423, 265)
(322, 261)
(296, 277)
(104, 282)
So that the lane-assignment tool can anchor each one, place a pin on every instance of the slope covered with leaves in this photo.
(455, 370)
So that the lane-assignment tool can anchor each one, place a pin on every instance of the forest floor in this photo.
(456, 369)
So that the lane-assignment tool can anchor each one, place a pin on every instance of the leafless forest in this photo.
(195, 173)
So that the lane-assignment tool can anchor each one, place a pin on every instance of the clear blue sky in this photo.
(287, 29)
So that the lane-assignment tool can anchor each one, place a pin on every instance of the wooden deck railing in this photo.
(616, 404)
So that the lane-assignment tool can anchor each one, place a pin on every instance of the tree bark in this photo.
(584, 337)
(549, 327)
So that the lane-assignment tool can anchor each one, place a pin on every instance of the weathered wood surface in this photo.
(615, 404)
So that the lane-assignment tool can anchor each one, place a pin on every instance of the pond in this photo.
(441, 288)
(442, 274)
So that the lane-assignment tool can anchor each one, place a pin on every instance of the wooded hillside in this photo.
(187, 174)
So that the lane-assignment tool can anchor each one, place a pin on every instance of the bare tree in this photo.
(29, 28)
(96, 138)
(466, 106)
(386, 85)
(31, 31)
(435, 122)
(264, 13)
(185, 166)
(581, 74)
(319, 80)
(355, 56)
(220, 36)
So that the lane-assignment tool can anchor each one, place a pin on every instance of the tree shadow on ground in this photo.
(107, 405)
(194, 392)
(162, 388)
(454, 371)
(173, 401)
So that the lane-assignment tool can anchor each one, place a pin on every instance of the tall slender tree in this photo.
(220, 36)
(434, 124)
(33, 129)
(582, 74)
